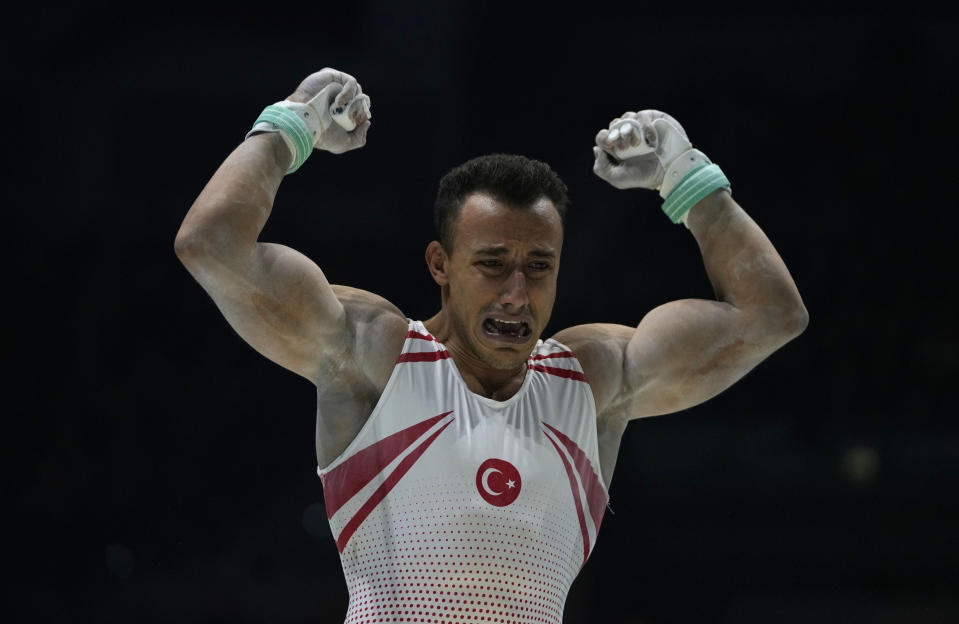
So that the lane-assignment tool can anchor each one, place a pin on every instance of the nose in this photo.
(515, 296)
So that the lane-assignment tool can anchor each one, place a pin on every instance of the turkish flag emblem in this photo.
(498, 482)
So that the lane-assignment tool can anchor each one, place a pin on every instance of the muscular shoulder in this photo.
(363, 304)
(601, 351)
(377, 330)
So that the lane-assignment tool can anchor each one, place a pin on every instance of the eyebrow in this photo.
(501, 250)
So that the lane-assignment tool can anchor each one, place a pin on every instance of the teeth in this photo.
(502, 326)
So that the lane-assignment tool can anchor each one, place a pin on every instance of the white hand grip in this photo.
(344, 120)
(623, 128)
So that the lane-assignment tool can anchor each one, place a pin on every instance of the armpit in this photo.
(377, 330)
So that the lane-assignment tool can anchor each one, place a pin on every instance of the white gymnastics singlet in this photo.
(449, 507)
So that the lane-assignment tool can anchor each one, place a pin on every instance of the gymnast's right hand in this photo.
(342, 107)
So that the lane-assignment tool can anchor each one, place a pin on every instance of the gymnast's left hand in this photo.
(339, 98)
(657, 134)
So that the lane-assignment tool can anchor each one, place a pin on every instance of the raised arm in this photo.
(276, 298)
(685, 352)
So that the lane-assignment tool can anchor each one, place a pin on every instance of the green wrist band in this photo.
(695, 185)
(294, 127)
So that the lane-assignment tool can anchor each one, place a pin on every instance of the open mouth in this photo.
(510, 331)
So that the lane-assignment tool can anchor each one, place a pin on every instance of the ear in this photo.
(436, 261)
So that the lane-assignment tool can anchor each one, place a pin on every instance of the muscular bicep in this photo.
(681, 354)
(278, 301)
(687, 351)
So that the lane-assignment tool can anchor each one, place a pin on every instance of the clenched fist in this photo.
(636, 149)
(343, 110)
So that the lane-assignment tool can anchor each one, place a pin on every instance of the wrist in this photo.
(283, 150)
(707, 210)
(279, 145)
(290, 122)
(699, 182)
(676, 170)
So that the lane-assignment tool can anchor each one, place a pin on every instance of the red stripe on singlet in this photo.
(558, 354)
(427, 356)
(579, 505)
(413, 334)
(596, 497)
(384, 489)
(559, 372)
(343, 482)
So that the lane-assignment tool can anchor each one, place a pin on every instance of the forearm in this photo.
(227, 217)
(744, 268)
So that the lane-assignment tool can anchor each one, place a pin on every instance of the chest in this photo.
(553, 399)
(343, 410)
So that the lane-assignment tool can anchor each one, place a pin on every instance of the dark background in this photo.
(157, 469)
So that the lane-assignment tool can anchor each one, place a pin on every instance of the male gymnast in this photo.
(465, 461)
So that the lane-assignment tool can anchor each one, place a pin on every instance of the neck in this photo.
(493, 383)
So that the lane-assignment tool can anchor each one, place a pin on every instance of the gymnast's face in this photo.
(502, 277)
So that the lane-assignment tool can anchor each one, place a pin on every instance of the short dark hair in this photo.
(508, 178)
